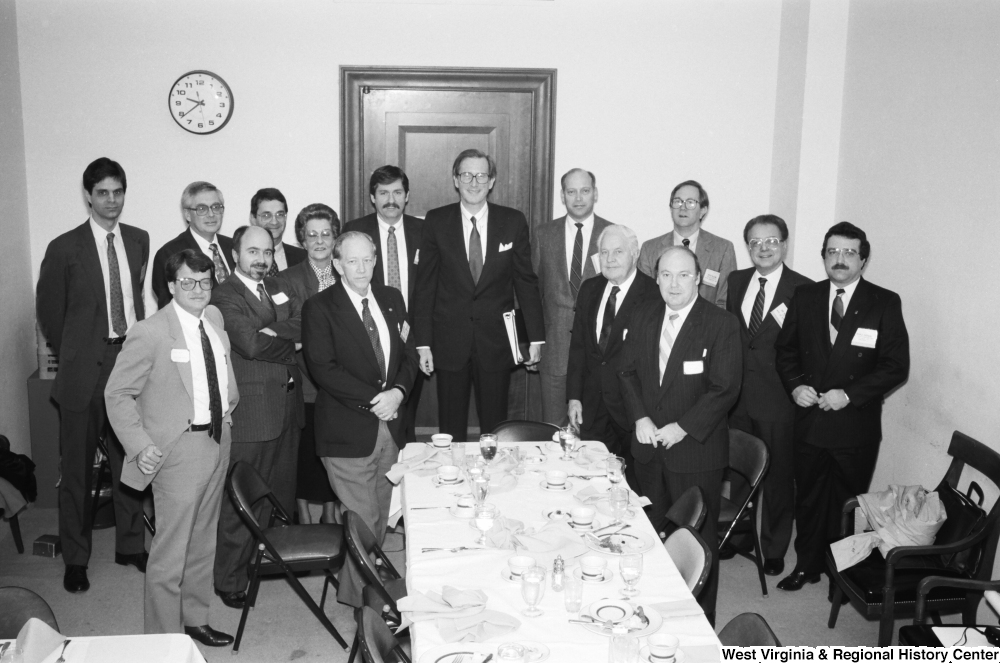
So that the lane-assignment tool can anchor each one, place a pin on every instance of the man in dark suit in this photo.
(203, 207)
(603, 311)
(843, 347)
(563, 255)
(759, 297)
(89, 295)
(680, 377)
(474, 257)
(360, 352)
(397, 254)
(269, 210)
(267, 425)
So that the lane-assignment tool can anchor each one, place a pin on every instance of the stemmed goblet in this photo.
(631, 568)
(532, 588)
(485, 516)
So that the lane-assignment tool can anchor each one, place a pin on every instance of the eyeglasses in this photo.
(188, 284)
(846, 253)
(767, 243)
(690, 203)
(682, 277)
(267, 216)
(203, 210)
(326, 234)
(482, 178)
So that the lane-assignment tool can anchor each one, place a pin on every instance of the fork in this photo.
(62, 654)
(449, 549)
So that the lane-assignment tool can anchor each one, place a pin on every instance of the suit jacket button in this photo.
(604, 363)
(658, 408)
(852, 377)
(859, 354)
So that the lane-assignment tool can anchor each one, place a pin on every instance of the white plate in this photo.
(644, 655)
(631, 543)
(566, 486)
(557, 515)
(459, 512)
(595, 524)
(436, 480)
(654, 617)
(608, 575)
(474, 652)
(613, 609)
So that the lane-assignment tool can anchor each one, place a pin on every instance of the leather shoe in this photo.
(75, 579)
(773, 567)
(232, 599)
(138, 560)
(208, 636)
(794, 582)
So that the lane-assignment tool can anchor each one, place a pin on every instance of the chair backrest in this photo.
(516, 430)
(691, 556)
(361, 545)
(17, 606)
(748, 455)
(246, 487)
(376, 640)
(689, 510)
(748, 630)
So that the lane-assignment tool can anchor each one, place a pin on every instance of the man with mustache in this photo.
(397, 253)
(842, 348)
(268, 422)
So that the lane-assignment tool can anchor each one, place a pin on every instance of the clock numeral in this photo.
(211, 123)
(189, 121)
(177, 103)
(181, 93)
(188, 85)
(201, 126)
(218, 115)
(222, 104)
(201, 82)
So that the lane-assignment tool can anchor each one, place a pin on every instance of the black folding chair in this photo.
(377, 642)
(516, 430)
(692, 557)
(688, 511)
(749, 458)
(103, 469)
(748, 630)
(17, 606)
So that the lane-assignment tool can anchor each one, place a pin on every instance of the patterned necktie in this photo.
(392, 260)
(666, 343)
(264, 298)
(576, 269)
(274, 268)
(366, 316)
(757, 315)
(609, 317)
(475, 253)
(118, 323)
(221, 271)
(214, 395)
(837, 315)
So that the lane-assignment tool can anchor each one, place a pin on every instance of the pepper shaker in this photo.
(558, 571)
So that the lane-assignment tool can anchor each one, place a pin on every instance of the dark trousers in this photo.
(276, 460)
(663, 487)
(826, 478)
(618, 440)
(453, 389)
(78, 435)
(412, 401)
(778, 488)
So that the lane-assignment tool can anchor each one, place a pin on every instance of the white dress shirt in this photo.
(769, 289)
(846, 297)
(587, 229)
(401, 254)
(481, 220)
(380, 323)
(622, 291)
(205, 247)
(250, 283)
(279, 256)
(674, 331)
(196, 358)
(679, 240)
(124, 275)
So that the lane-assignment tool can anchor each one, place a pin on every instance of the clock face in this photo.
(200, 102)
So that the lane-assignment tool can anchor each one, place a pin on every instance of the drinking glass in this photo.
(458, 454)
(568, 439)
(485, 516)
(573, 596)
(532, 588)
(618, 499)
(488, 446)
(516, 455)
(615, 469)
(631, 568)
(480, 487)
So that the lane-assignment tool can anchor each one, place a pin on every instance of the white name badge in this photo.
(779, 314)
(596, 259)
(180, 355)
(624, 333)
(710, 278)
(694, 367)
(865, 338)
(280, 298)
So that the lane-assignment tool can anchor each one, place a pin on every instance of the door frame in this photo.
(356, 81)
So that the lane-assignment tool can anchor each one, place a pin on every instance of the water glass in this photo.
(615, 469)
(573, 593)
(488, 446)
(480, 487)
(568, 439)
(631, 568)
(458, 454)
(511, 652)
(532, 588)
(618, 499)
(485, 516)
(516, 455)
(14, 654)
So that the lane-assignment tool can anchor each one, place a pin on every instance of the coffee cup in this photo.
(592, 568)
(441, 441)
(662, 647)
(518, 564)
(466, 501)
(448, 473)
(583, 516)
(555, 478)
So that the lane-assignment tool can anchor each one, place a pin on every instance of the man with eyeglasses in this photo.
(717, 257)
(269, 210)
(88, 299)
(760, 297)
(842, 348)
(202, 207)
(268, 423)
(170, 399)
(474, 257)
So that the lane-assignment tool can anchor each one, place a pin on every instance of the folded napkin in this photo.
(459, 614)
(423, 464)
(544, 543)
(486, 625)
(681, 608)
(593, 455)
(37, 640)
(501, 483)
(596, 495)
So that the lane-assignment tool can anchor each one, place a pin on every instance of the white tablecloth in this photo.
(166, 648)
(481, 569)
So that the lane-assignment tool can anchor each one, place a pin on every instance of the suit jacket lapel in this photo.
(133, 251)
(265, 310)
(595, 305)
(392, 318)
(412, 245)
(378, 277)
(494, 233)
(561, 263)
(860, 301)
(183, 368)
(783, 292)
(588, 263)
(624, 306)
(689, 331)
(91, 261)
(459, 249)
(352, 320)
(740, 293)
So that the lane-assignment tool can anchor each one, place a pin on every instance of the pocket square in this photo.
(506, 247)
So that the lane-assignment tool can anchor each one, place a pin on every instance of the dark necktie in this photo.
(366, 316)
(609, 317)
(475, 253)
(221, 271)
(214, 395)
(274, 268)
(118, 323)
(576, 269)
(837, 316)
(757, 315)
(392, 260)
(264, 299)
(686, 243)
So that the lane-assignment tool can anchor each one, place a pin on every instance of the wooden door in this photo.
(419, 120)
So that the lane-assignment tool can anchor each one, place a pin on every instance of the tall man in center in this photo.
(564, 255)
(474, 257)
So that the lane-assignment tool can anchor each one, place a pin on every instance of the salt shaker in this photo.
(558, 569)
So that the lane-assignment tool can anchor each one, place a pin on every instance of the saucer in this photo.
(557, 515)
(608, 575)
(582, 528)
(566, 486)
(438, 483)
(644, 656)
(459, 512)
(508, 576)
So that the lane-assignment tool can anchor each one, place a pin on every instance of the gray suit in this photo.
(714, 253)
(548, 258)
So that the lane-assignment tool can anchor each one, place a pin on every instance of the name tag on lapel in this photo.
(416, 257)
(624, 333)
(865, 338)
(596, 259)
(694, 367)
(404, 331)
(710, 278)
(779, 314)
(506, 247)
(180, 355)
(280, 298)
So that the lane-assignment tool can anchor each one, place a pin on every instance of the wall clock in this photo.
(200, 102)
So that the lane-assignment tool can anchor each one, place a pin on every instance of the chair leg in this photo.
(886, 625)
(247, 604)
(320, 615)
(838, 594)
(15, 530)
(936, 618)
(354, 647)
(759, 555)
(98, 484)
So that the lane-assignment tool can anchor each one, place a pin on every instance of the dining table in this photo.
(433, 522)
